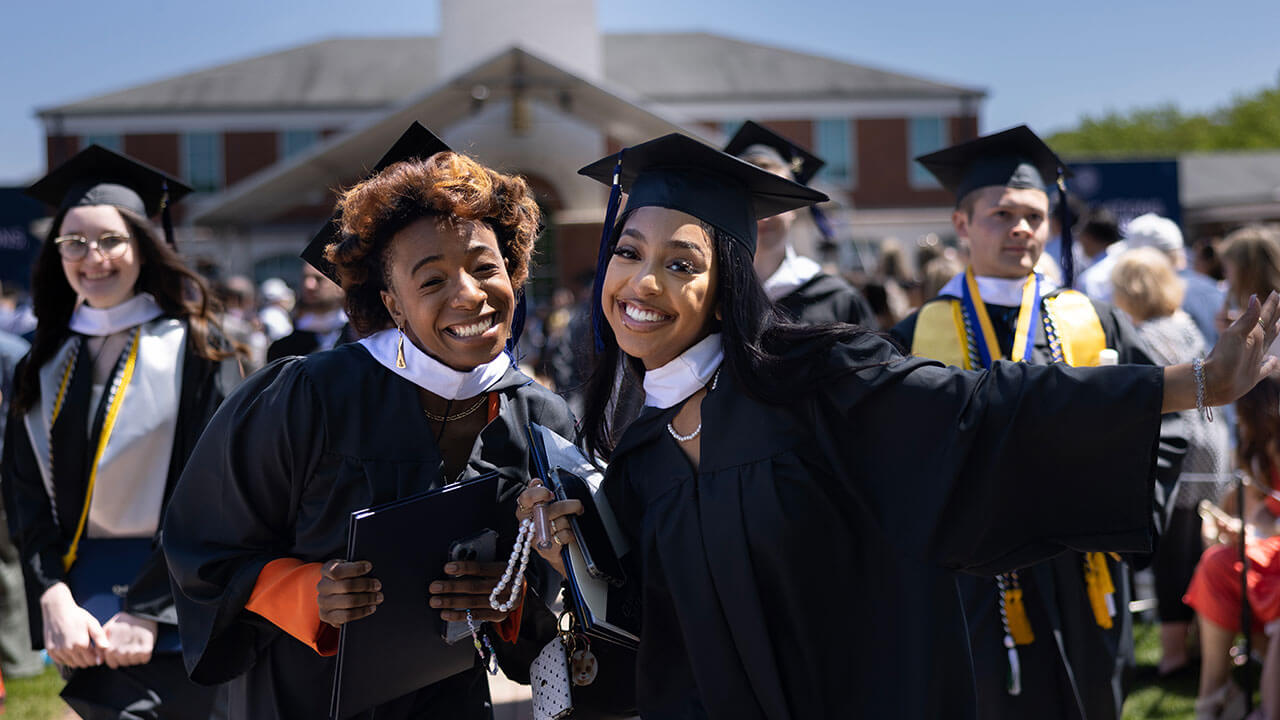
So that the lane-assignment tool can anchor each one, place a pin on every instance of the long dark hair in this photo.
(179, 291)
(756, 337)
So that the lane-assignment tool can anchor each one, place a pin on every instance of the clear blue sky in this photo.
(1045, 64)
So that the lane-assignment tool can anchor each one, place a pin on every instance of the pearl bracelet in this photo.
(1197, 369)
(514, 575)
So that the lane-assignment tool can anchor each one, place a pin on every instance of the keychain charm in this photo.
(583, 667)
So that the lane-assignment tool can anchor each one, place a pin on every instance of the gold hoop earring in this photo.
(400, 348)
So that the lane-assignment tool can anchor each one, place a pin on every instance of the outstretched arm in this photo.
(1237, 363)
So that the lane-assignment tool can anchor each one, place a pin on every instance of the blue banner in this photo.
(18, 247)
(1129, 188)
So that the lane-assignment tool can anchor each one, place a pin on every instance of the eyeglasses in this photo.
(76, 247)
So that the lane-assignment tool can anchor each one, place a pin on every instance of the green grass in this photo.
(35, 698)
(1149, 700)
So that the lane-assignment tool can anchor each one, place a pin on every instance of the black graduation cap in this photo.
(1014, 158)
(677, 172)
(416, 143)
(98, 176)
(802, 163)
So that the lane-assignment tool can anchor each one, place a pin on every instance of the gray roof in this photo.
(1229, 178)
(701, 66)
(372, 72)
(340, 73)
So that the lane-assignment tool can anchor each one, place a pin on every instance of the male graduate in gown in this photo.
(1050, 640)
(321, 323)
(792, 281)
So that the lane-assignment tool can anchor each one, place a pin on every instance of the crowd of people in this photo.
(974, 444)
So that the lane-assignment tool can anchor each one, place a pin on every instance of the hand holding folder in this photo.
(399, 648)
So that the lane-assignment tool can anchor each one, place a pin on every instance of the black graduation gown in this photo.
(42, 542)
(1074, 670)
(826, 299)
(802, 571)
(302, 444)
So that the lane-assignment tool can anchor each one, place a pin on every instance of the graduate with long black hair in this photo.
(799, 497)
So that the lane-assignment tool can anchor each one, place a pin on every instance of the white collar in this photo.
(996, 291)
(795, 270)
(670, 384)
(430, 374)
(100, 322)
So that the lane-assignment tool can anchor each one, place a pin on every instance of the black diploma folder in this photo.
(399, 649)
(608, 607)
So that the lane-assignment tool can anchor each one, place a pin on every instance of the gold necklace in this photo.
(456, 416)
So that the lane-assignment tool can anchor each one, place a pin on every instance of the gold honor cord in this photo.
(108, 424)
(1030, 299)
(62, 386)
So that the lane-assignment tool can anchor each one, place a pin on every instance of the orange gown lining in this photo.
(285, 594)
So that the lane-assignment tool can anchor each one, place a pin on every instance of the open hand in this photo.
(72, 637)
(557, 513)
(1239, 360)
(467, 588)
(131, 640)
(344, 593)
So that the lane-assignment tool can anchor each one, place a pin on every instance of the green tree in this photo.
(1248, 122)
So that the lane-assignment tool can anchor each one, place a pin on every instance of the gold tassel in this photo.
(1097, 580)
(1016, 615)
(400, 349)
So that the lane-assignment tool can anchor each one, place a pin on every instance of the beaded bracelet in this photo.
(1197, 369)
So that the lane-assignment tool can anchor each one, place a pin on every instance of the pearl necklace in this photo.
(513, 576)
(698, 430)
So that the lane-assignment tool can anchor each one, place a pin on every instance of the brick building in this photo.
(533, 88)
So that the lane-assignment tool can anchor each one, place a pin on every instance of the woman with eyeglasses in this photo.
(126, 368)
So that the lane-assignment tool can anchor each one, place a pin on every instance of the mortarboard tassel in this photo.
(602, 260)
(166, 220)
(824, 224)
(517, 324)
(1067, 258)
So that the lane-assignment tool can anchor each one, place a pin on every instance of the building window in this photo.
(833, 142)
(926, 134)
(202, 160)
(110, 141)
(293, 142)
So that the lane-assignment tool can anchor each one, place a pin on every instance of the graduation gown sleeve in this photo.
(973, 470)
(35, 533)
(231, 514)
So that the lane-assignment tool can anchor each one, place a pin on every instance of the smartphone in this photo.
(588, 528)
(481, 547)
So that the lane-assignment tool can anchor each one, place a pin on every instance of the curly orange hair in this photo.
(448, 186)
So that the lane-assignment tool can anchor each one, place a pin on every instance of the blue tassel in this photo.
(1068, 258)
(517, 324)
(823, 224)
(166, 219)
(602, 260)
